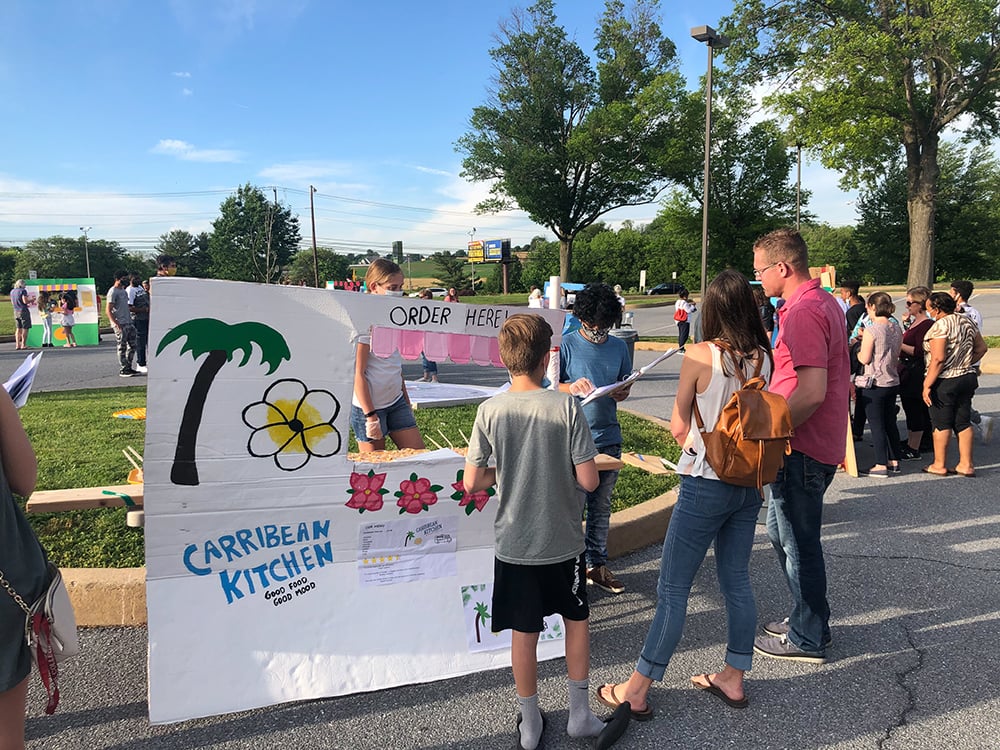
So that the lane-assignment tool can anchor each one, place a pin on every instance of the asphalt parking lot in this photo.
(914, 589)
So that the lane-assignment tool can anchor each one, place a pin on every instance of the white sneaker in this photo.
(141, 368)
(986, 429)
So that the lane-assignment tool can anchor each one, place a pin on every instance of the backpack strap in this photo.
(726, 348)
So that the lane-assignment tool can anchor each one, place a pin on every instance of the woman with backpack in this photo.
(708, 510)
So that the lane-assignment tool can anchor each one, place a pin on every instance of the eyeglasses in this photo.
(758, 272)
(913, 302)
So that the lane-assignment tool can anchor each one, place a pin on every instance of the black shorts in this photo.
(524, 594)
(951, 402)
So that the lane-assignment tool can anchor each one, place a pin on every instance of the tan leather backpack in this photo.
(753, 433)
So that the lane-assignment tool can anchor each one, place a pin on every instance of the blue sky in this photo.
(135, 117)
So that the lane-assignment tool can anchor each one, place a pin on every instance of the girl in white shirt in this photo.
(381, 405)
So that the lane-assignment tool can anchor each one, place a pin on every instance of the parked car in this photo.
(436, 291)
(670, 287)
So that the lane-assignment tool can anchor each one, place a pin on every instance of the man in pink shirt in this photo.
(812, 371)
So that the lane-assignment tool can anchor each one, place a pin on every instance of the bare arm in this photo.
(696, 371)
(361, 389)
(587, 475)
(979, 348)
(867, 347)
(935, 363)
(476, 478)
(809, 393)
(19, 463)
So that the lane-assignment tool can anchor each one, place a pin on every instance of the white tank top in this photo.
(720, 389)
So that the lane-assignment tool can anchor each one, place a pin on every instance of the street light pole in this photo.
(472, 238)
(798, 185)
(86, 248)
(715, 41)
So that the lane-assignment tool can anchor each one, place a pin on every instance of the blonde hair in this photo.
(524, 341)
(919, 294)
(380, 271)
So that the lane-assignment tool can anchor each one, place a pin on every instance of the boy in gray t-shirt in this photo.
(544, 456)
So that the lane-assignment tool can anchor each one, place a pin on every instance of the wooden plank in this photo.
(652, 464)
(850, 459)
(607, 463)
(82, 498)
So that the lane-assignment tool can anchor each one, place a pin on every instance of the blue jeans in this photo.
(707, 510)
(141, 340)
(598, 507)
(794, 518)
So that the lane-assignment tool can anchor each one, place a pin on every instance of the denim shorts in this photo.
(398, 416)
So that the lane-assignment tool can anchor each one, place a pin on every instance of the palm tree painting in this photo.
(220, 341)
(482, 615)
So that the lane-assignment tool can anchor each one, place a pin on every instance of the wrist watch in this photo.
(370, 414)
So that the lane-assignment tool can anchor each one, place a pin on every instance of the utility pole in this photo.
(312, 214)
(86, 248)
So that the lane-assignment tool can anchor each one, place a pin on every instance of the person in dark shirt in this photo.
(855, 305)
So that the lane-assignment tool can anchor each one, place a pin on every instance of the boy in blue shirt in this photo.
(543, 451)
(588, 359)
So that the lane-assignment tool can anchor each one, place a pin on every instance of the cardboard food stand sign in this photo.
(85, 323)
(277, 569)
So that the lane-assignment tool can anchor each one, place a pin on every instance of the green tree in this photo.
(838, 247)
(8, 260)
(189, 250)
(750, 193)
(494, 278)
(452, 270)
(862, 79)
(967, 227)
(542, 262)
(253, 238)
(332, 267)
(65, 258)
(566, 141)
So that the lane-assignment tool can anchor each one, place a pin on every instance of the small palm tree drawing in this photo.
(409, 536)
(220, 341)
(482, 615)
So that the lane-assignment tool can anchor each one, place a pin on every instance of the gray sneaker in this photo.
(605, 579)
(780, 628)
(779, 647)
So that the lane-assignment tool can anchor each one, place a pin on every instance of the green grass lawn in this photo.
(79, 444)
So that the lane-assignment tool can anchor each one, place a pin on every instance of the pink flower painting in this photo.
(366, 491)
(416, 494)
(470, 501)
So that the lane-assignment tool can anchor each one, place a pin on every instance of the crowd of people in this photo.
(927, 358)
(537, 434)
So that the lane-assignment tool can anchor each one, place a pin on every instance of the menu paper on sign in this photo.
(406, 550)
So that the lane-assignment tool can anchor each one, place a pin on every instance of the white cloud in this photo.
(304, 173)
(182, 74)
(186, 92)
(187, 152)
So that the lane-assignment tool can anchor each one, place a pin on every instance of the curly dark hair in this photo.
(597, 305)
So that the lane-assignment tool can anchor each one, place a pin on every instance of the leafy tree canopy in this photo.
(453, 270)
(567, 141)
(332, 267)
(863, 80)
(65, 258)
(189, 250)
(253, 238)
